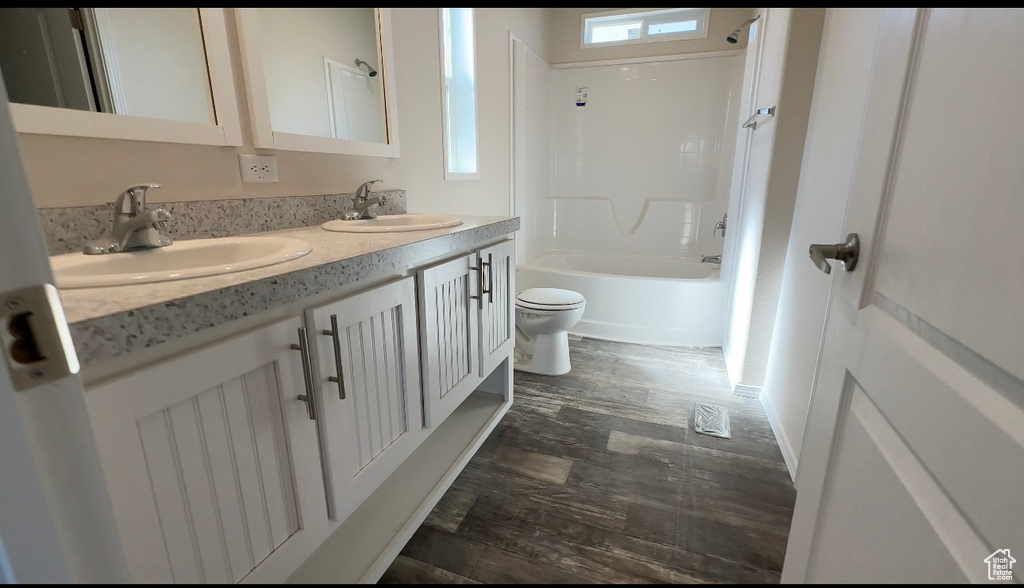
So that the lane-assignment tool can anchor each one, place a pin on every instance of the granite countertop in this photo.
(110, 321)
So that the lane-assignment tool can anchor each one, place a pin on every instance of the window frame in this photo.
(703, 25)
(446, 138)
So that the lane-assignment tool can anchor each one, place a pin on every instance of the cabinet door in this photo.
(367, 372)
(497, 313)
(449, 336)
(212, 461)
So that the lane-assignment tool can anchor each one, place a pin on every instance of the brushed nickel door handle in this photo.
(309, 397)
(335, 334)
(479, 269)
(847, 253)
(490, 276)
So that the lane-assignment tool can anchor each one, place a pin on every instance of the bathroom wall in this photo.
(71, 171)
(841, 86)
(646, 161)
(567, 25)
(761, 212)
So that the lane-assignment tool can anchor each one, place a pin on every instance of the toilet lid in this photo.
(550, 299)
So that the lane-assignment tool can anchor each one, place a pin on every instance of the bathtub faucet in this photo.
(711, 259)
(720, 225)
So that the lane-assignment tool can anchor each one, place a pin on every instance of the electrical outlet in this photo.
(258, 168)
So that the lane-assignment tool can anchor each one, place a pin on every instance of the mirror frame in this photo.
(263, 135)
(48, 120)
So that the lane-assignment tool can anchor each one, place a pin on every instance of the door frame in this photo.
(729, 270)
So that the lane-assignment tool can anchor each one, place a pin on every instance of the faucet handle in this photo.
(136, 196)
(162, 216)
(364, 190)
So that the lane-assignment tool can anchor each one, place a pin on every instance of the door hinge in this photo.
(75, 16)
(35, 336)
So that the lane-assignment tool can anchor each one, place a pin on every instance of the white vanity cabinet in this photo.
(212, 461)
(309, 449)
(466, 325)
(366, 370)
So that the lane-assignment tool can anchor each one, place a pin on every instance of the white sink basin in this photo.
(389, 223)
(178, 261)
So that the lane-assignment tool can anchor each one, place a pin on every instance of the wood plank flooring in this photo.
(597, 476)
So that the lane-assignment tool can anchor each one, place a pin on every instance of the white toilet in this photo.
(543, 319)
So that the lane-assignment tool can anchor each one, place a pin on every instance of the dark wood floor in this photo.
(597, 476)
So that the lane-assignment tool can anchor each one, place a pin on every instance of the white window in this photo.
(459, 93)
(622, 27)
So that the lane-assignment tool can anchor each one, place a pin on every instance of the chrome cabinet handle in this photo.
(334, 333)
(479, 269)
(309, 398)
(847, 253)
(490, 277)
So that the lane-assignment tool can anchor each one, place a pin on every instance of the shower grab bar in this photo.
(752, 121)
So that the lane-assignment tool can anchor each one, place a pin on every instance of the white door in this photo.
(56, 522)
(913, 458)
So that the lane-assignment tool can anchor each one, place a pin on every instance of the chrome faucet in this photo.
(720, 225)
(711, 259)
(134, 226)
(363, 202)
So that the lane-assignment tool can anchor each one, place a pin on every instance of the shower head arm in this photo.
(369, 68)
(734, 36)
(746, 22)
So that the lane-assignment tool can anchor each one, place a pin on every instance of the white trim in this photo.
(44, 120)
(108, 58)
(387, 62)
(653, 58)
(330, 95)
(222, 78)
(443, 90)
(512, 38)
(296, 142)
(780, 436)
(254, 77)
(448, 176)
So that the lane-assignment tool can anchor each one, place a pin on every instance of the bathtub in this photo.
(672, 301)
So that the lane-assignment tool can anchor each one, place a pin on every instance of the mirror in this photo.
(319, 79)
(64, 67)
(140, 61)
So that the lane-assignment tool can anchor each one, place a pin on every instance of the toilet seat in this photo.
(549, 299)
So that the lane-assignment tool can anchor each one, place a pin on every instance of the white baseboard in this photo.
(746, 391)
(780, 437)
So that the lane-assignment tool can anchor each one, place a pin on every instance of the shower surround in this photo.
(622, 171)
